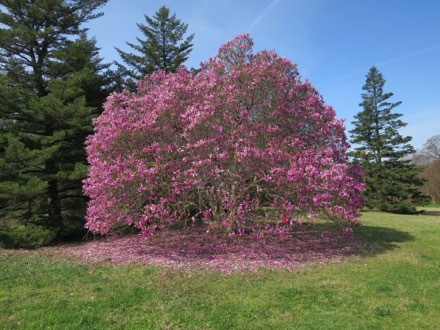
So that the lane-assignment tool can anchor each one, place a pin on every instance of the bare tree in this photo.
(429, 153)
(429, 159)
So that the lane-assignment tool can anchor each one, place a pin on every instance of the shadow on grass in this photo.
(381, 239)
(431, 212)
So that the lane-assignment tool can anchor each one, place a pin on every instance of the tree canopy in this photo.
(218, 146)
(163, 47)
(391, 181)
(51, 85)
(428, 158)
(430, 152)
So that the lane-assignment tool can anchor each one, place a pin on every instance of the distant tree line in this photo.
(428, 158)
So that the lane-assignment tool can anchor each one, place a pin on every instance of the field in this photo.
(389, 279)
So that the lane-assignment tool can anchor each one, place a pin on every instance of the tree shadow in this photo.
(433, 212)
(381, 239)
(304, 245)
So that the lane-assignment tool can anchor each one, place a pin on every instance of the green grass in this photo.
(395, 286)
(433, 205)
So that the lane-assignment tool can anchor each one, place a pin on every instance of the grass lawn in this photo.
(393, 285)
(432, 205)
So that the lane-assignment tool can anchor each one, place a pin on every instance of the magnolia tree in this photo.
(216, 147)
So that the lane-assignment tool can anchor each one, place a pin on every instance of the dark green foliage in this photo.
(164, 48)
(51, 86)
(30, 236)
(391, 181)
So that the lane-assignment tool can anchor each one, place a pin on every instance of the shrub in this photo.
(29, 236)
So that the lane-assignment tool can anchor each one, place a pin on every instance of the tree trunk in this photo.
(53, 198)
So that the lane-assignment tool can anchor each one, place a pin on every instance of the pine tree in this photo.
(51, 85)
(164, 47)
(391, 181)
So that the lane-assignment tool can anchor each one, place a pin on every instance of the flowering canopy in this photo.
(216, 146)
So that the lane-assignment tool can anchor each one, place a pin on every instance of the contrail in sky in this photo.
(402, 57)
(422, 51)
(264, 13)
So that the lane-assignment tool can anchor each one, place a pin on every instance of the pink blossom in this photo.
(216, 146)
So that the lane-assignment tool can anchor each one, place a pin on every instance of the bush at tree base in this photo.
(216, 146)
(29, 236)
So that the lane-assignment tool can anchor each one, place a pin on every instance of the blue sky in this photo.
(333, 42)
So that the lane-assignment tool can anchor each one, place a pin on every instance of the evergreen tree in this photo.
(51, 85)
(391, 181)
(164, 47)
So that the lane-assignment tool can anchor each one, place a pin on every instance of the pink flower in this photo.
(216, 146)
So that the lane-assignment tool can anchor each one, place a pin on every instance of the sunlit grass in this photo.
(432, 205)
(396, 285)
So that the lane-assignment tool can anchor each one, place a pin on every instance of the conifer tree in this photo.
(391, 181)
(51, 85)
(164, 47)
